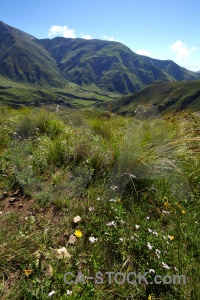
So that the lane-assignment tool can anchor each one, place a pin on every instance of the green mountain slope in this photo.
(110, 65)
(159, 97)
(24, 60)
(95, 64)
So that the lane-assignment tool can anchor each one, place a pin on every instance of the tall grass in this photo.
(135, 185)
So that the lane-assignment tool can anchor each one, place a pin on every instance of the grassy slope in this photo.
(54, 167)
(16, 93)
(167, 97)
(110, 65)
(24, 60)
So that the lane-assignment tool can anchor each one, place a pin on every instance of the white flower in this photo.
(98, 198)
(147, 218)
(165, 266)
(158, 253)
(121, 239)
(149, 246)
(114, 187)
(91, 208)
(93, 239)
(149, 230)
(69, 292)
(166, 212)
(122, 221)
(112, 223)
(137, 226)
(112, 200)
(155, 233)
(151, 271)
(51, 293)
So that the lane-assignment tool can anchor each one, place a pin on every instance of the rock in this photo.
(12, 200)
(49, 271)
(72, 239)
(62, 253)
(77, 219)
(16, 193)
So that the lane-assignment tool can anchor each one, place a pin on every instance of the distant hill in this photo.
(159, 97)
(109, 66)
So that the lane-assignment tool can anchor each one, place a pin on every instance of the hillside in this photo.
(160, 97)
(95, 64)
(24, 60)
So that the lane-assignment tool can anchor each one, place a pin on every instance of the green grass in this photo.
(134, 183)
(166, 97)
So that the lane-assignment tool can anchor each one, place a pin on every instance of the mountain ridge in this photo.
(110, 66)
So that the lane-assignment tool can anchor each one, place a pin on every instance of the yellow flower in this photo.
(183, 211)
(171, 237)
(178, 204)
(78, 233)
(149, 298)
(166, 205)
(27, 272)
(119, 200)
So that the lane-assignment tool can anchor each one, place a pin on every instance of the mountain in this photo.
(159, 97)
(22, 59)
(108, 66)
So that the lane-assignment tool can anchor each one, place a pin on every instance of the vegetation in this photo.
(165, 97)
(107, 66)
(97, 192)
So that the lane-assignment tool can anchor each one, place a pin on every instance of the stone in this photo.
(77, 219)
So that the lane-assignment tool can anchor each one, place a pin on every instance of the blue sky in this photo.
(159, 29)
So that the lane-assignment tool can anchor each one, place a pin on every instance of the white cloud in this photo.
(63, 31)
(110, 38)
(144, 52)
(86, 36)
(182, 51)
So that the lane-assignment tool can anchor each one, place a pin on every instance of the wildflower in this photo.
(151, 271)
(170, 237)
(121, 239)
(147, 218)
(51, 293)
(114, 187)
(122, 221)
(183, 211)
(166, 205)
(149, 230)
(98, 198)
(112, 223)
(112, 200)
(91, 208)
(69, 292)
(78, 233)
(165, 266)
(137, 226)
(149, 246)
(118, 200)
(155, 232)
(177, 204)
(149, 297)
(166, 212)
(27, 272)
(158, 253)
(92, 239)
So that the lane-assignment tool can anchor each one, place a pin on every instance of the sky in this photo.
(167, 29)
